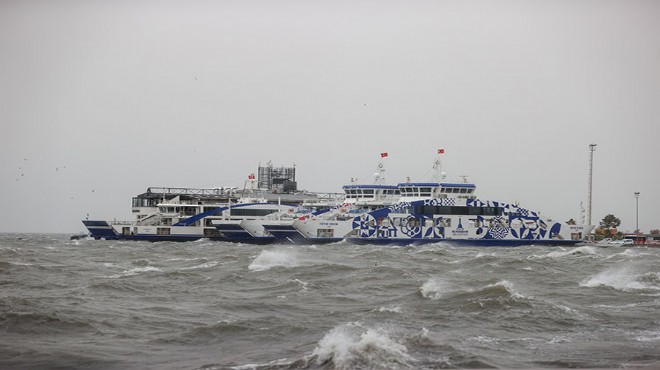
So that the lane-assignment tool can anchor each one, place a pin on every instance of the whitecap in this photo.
(135, 271)
(433, 288)
(390, 309)
(648, 336)
(583, 250)
(351, 345)
(303, 284)
(268, 259)
(202, 266)
(624, 278)
(508, 287)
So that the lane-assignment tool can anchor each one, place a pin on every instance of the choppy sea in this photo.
(94, 304)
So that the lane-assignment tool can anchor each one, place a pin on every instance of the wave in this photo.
(625, 278)
(389, 309)
(269, 259)
(115, 284)
(204, 265)
(500, 294)
(354, 346)
(433, 288)
(585, 250)
(134, 271)
(42, 323)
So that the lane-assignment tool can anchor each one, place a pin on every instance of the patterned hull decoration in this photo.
(461, 219)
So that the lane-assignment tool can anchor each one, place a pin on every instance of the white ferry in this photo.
(246, 222)
(357, 199)
(184, 214)
(178, 214)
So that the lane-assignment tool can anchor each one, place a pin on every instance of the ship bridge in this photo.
(411, 191)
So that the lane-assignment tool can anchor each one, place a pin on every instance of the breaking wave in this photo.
(269, 259)
(625, 278)
(353, 346)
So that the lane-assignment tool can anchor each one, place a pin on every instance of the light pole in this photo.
(592, 148)
(637, 211)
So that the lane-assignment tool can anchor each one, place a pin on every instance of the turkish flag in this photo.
(383, 155)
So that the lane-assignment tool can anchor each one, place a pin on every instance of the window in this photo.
(325, 233)
(163, 231)
(251, 212)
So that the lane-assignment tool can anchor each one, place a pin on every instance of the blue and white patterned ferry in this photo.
(434, 212)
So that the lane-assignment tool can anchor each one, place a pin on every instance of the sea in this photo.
(96, 304)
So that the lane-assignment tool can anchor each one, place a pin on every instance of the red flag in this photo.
(383, 155)
(251, 177)
(441, 151)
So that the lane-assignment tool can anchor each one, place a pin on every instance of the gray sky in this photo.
(101, 99)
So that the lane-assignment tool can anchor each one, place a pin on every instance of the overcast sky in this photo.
(101, 99)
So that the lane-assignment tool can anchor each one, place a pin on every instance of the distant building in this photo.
(644, 239)
(277, 180)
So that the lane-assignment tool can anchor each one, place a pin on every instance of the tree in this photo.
(571, 222)
(610, 222)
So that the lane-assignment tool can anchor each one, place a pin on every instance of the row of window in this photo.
(459, 210)
(457, 190)
(252, 211)
(368, 193)
(144, 202)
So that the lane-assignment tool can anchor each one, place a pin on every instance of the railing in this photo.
(192, 191)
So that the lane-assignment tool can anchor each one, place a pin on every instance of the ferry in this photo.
(431, 212)
(165, 213)
(187, 214)
(252, 222)
(357, 199)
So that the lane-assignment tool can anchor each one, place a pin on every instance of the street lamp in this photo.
(637, 211)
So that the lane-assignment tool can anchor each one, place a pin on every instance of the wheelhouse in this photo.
(411, 191)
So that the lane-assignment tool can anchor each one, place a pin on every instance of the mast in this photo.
(438, 175)
(592, 148)
(380, 175)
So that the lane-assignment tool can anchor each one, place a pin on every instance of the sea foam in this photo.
(352, 345)
(626, 278)
(269, 259)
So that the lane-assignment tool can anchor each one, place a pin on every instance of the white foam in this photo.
(202, 266)
(268, 259)
(352, 345)
(586, 249)
(135, 271)
(648, 336)
(392, 309)
(624, 278)
(508, 286)
(433, 288)
(303, 284)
